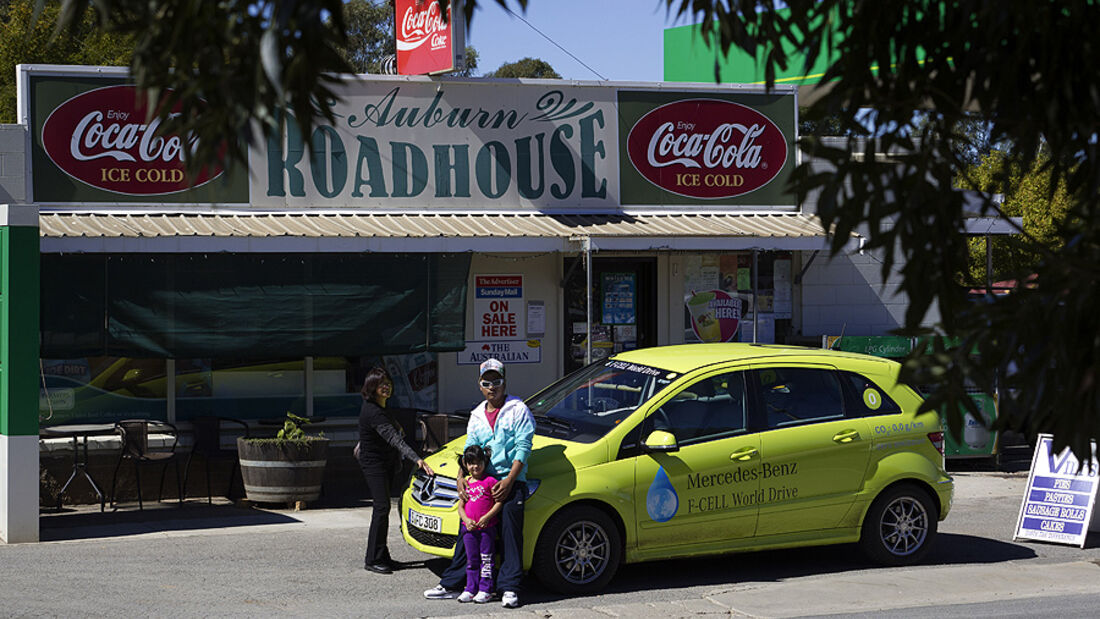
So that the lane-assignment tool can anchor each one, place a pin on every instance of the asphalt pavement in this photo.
(225, 560)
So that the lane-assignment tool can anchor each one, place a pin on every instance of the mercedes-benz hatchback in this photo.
(701, 449)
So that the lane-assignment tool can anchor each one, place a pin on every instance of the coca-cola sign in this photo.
(707, 148)
(103, 138)
(426, 42)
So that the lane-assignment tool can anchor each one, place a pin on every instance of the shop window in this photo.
(337, 382)
(240, 388)
(101, 390)
(723, 296)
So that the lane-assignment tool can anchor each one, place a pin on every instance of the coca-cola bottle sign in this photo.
(103, 138)
(707, 148)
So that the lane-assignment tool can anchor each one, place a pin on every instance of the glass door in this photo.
(624, 307)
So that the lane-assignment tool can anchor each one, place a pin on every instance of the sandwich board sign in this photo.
(1060, 496)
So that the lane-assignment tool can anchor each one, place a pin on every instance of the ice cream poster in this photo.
(715, 315)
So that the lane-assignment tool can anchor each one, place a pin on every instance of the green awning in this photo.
(251, 305)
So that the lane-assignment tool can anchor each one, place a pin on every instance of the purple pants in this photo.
(479, 545)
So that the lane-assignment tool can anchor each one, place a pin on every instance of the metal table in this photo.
(78, 431)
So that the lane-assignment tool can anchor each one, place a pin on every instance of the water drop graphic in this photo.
(662, 502)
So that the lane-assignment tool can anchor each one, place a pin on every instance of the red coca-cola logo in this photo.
(421, 23)
(103, 138)
(707, 148)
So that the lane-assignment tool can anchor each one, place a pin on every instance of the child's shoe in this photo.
(466, 596)
(483, 597)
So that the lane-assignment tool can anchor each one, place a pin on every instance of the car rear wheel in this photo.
(579, 551)
(900, 526)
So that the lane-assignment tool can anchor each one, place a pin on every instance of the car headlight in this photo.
(532, 485)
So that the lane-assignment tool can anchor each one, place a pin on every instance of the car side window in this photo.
(866, 398)
(794, 396)
(711, 408)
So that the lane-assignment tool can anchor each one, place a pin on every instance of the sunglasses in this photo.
(492, 383)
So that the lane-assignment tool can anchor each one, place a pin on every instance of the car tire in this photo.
(900, 526)
(579, 551)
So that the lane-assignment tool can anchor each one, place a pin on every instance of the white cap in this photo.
(491, 365)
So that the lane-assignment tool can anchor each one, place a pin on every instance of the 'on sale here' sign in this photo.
(498, 307)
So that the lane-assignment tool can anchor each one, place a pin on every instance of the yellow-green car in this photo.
(683, 451)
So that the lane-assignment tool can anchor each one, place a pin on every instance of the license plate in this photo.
(425, 522)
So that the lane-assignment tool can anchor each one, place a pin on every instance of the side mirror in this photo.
(660, 441)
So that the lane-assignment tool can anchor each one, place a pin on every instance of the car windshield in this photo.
(588, 403)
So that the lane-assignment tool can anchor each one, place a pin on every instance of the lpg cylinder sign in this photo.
(498, 307)
(1060, 496)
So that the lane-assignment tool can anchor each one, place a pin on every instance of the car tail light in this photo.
(937, 441)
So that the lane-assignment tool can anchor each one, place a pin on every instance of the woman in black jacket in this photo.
(381, 447)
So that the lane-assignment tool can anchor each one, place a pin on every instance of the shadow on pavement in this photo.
(746, 569)
(87, 522)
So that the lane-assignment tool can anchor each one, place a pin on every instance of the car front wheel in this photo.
(900, 526)
(579, 551)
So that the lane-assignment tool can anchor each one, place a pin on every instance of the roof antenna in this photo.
(836, 344)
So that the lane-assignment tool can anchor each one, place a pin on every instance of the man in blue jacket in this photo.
(504, 424)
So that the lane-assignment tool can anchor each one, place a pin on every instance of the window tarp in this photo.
(284, 305)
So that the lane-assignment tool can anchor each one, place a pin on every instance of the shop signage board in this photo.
(405, 142)
(428, 42)
(507, 351)
(1060, 496)
(498, 307)
(94, 141)
(888, 346)
(435, 144)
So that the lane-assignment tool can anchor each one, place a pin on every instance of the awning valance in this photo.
(435, 232)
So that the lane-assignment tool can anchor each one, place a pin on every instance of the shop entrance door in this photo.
(624, 307)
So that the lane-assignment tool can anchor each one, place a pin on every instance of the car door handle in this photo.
(744, 454)
(846, 436)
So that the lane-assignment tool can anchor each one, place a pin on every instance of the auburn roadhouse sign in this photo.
(401, 142)
(103, 138)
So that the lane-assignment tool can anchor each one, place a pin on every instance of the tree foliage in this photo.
(526, 67)
(27, 40)
(370, 35)
(1030, 67)
(1031, 194)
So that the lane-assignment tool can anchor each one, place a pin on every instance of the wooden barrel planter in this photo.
(282, 471)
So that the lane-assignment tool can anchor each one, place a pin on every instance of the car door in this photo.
(706, 491)
(814, 457)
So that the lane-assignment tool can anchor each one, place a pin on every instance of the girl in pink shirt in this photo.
(479, 518)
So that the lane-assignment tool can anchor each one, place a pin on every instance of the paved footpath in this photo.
(223, 561)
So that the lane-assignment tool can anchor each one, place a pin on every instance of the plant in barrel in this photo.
(287, 468)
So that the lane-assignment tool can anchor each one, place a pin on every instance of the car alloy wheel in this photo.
(904, 526)
(579, 551)
(900, 526)
(582, 552)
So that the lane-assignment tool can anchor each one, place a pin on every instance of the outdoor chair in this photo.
(135, 447)
(208, 435)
